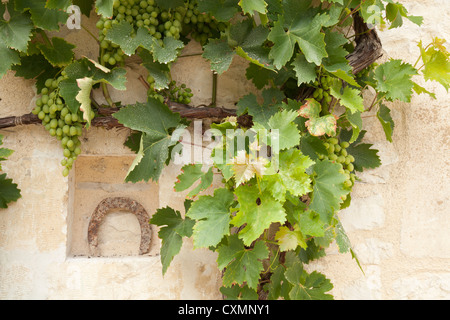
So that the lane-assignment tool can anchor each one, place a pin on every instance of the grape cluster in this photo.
(139, 13)
(322, 92)
(338, 152)
(111, 53)
(175, 93)
(59, 121)
(202, 26)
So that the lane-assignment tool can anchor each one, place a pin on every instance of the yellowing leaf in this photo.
(290, 239)
(84, 98)
(245, 167)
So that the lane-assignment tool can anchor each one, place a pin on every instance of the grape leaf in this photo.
(8, 191)
(16, 32)
(356, 122)
(342, 240)
(241, 265)
(317, 125)
(169, 4)
(321, 126)
(104, 7)
(291, 175)
(212, 215)
(222, 10)
(169, 51)
(191, 174)
(4, 152)
(288, 133)
(84, 97)
(328, 188)
(336, 1)
(58, 4)
(220, 55)
(394, 79)
(261, 113)
(349, 97)
(395, 13)
(257, 212)
(346, 76)
(365, 157)
(236, 292)
(8, 58)
(305, 71)
(261, 76)
(121, 34)
(159, 71)
(312, 146)
(300, 25)
(249, 41)
(59, 53)
(84, 68)
(419, 90)
(437, 63)
(311, 225)
(249, 6)
(311, 109)
(384, 116)
(68, 89)
(336, 59)
(278, 285)
(32, 66)
(245, 167)
(85, 6)
(155, 120)
(173, 229)
(307, 286)
(290, 239)
(42, 16)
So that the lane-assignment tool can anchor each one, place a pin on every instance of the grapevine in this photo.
(180, 94)
(110, 54)
(62, 124)
(276, 210)
(201, 26)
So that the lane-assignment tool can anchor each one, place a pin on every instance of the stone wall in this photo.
(398, 222)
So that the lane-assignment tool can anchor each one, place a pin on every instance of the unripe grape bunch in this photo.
(139, 13)
(181, 94)
(202, 26)
(60, 122)
(337, 152)
(322, 91)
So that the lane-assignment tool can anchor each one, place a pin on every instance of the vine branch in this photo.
(368, 50)
(107, 120)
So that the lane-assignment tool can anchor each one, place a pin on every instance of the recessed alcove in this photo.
(108, 217)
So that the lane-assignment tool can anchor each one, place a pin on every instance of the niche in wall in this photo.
(108, 217)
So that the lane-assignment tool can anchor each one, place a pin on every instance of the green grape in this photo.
(337, 152)
(174, 93)
(59, 121)
(350, 167)
(66, 172)
(68, 118)
(73, 131)
(53, 123)
(70, 144)
(66, 129)
(345, 144)
(67, 153)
